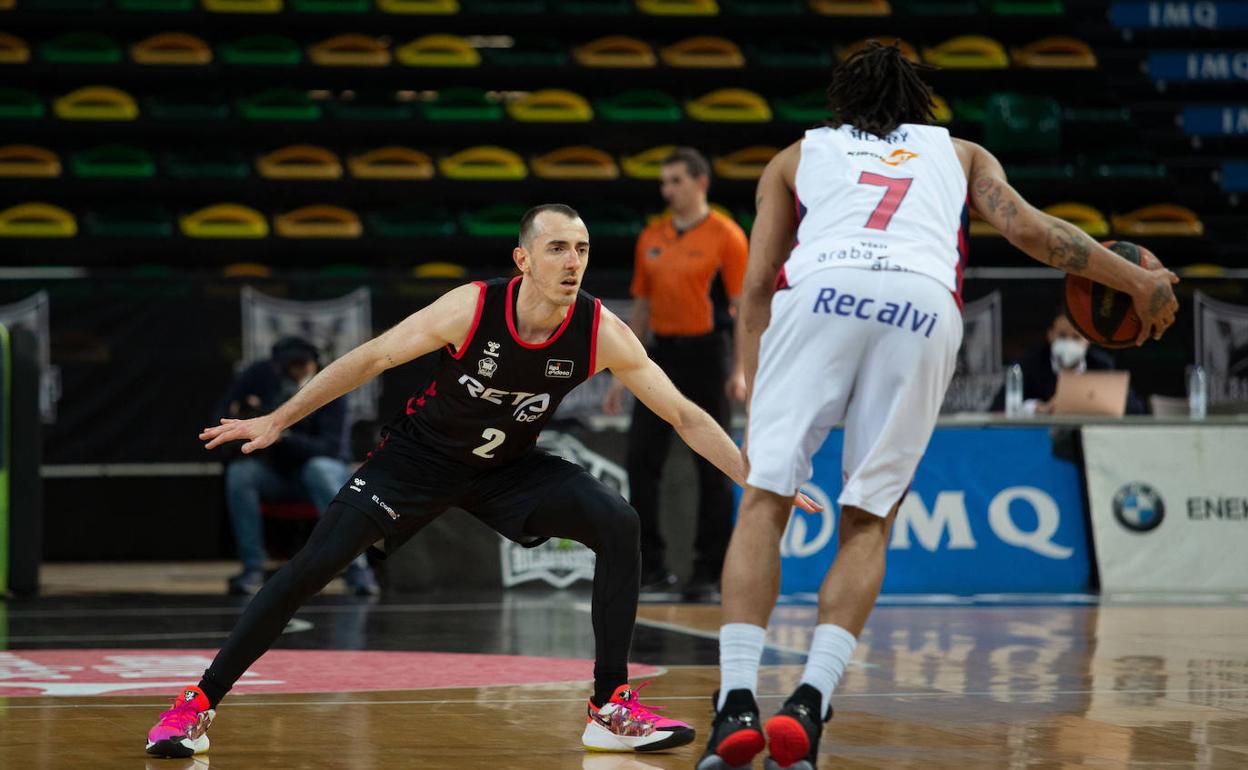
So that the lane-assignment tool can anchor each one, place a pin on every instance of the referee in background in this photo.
(675, 291)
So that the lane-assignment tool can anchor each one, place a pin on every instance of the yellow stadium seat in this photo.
(980, 228)
(318, 221)
(907, 50)
(247, 270)
(243, 6)
(647, 164)
(615, 51)
(485, 163)
(25, 160)
(851, 7)
(350, 51)
(299, 161)
(439, 270)
(439, 51)
(391, 163)
(679, 7)
(224, 220)
(968, 52)
(940, 110)
(37, 220)
(172, 48)
(551, 106)
(13, 50)
(1201, 270)
(420, 7)
(576, 163)
(7, 5)
(96, 103)
(1060, 52)
(1081, 215)
(730, 105)
(1162, 219)
(746, 163)
(703, 51)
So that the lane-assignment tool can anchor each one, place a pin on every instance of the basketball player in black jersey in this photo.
(511, 350)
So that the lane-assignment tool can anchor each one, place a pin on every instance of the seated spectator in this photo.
(308, 463)
(1065, 350)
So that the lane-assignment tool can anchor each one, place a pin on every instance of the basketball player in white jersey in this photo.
(851, 315)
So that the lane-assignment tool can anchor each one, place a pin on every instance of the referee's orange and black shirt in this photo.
(675, 271)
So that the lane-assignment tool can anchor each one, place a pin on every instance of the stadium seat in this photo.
(551, 106)
(350, 50)
(445, 270)
(968, 52)
(62, 6)
(529, 52)
(593, 7)
(37, 220)
(640, 106)
(463, 105)
(156, 6)
(439, 51)
(648, 164)
(484, 163)
(1081, 215)
(1061, 52)
(1025, 7)
(247, 270)
(391, 163)
(1016, 122)
(971, 109)
(318, 221)
(808, 107)
(371, 105)
(113, 161)
(412, 221)
(96, 103)
(81, 48)
(299, 161)
(1104, 116)
(20, 104)
(678, 7)
(1129, 163)
(331, 6)
(730, 105)
(188, 105)
(420, 7)
(171, 49)
(243, 6)
(611, 220)
(1054, 170)
(746, 163)
(279, 104)
(763, 7)
(28, 161)
(497, 221)
(615, 51)
(1162, 219)
(940, 110)
(13, 50)
(347, 270)
(703, 52)
(790, 53)
(128, 221)
(207, 163)
(851, 7)
(224, 220)
(580, 162)
(261, 51)
(907, 50)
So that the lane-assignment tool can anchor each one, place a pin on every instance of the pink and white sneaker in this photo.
(625, 724)
(182, 730)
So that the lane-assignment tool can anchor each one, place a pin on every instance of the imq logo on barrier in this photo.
(1010, 519)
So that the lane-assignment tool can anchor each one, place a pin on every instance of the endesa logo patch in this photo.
(559, 368)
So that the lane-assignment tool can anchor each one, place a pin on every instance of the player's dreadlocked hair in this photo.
(878, 89)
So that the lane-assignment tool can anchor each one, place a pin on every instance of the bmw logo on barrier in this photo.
(1138, 507)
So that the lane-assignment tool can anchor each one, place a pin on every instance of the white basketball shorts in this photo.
(873, 350)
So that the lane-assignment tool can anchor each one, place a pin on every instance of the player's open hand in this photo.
(258, 432)
(1155, 304)
(800, 500)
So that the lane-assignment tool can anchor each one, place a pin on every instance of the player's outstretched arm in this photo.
(445, 321)
(620, 351)
(1059, 243)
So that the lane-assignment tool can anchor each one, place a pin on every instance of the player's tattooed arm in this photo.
(1068, 247)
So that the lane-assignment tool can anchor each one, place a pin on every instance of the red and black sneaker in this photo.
(735, 735)
(793, 733)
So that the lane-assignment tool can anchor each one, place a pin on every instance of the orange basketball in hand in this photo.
(1106, 316)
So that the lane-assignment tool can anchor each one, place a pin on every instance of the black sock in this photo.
(213, 691)
(604, 689)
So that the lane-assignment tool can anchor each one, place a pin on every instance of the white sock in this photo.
(830, 651)
(740, 650)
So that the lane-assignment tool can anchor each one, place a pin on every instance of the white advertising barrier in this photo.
(1169, 506)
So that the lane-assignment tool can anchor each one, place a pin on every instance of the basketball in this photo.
(1105, 316)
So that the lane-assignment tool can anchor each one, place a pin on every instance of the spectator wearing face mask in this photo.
(1065, 350)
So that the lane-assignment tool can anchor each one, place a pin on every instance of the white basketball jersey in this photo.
(897, 203)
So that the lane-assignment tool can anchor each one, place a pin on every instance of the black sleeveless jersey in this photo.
(487, 401)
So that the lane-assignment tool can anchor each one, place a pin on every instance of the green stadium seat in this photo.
(612, 220)
(81, 48)
(806, 107)
(640, 106)
(939, 7)
(1014, 122)
(970, 109)
(505, 7)
(463, 105)
(372, 106)
(20, 104)
(1127, 164)
(156, 6)
(129, 221)
(497, 221)
(412, 222)
(594, 7)
(1097, 115)
(332, 6)
(261, 51)
(763, 7)
(540, 52)
(113, 161)
(212, 163)
(191, 106)
(279, 104)
(1025, 7)
(790, 54)
(1052, 171)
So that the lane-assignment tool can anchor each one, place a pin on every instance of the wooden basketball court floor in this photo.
(937, 682)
